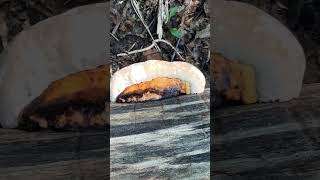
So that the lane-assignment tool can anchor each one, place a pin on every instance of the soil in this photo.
(192, 18)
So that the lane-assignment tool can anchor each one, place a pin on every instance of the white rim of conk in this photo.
(264, 42)
(151, 69)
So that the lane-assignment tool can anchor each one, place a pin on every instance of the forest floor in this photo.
(192, 21)
(186, 28)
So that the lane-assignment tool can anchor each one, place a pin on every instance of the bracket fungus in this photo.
(233, 81)
(74, 101)
(244, 33)
(51, 63)
(154, 80)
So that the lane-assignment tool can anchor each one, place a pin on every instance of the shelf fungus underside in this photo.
(233, 82)
(158, 88)
(73, 102)
(155, 80)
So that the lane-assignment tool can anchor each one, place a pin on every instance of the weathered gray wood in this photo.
(92, 168)
(53, 155)
(161, 139)
(168, 138)
(273, 140)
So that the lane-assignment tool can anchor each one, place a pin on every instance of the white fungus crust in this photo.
(148, 70)
(265, 43)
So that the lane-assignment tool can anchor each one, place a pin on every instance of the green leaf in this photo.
(175, 32)
(172, 12)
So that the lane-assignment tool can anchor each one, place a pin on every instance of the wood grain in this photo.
(170, 138)
(167, 139)
(53, 155)
(269, 141)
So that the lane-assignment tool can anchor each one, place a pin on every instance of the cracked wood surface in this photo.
(161, 139)
(269, 141)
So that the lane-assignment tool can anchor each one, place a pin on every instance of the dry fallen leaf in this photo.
(152, 54)
(204, 33)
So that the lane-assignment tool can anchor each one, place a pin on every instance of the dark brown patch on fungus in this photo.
(232, 81)
(158, 88)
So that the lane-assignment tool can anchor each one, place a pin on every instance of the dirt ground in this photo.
(191, 20)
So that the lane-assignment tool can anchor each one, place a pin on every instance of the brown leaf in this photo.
(152, 54)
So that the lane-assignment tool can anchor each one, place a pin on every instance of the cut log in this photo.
(168, 139)
(266, 141)
(53, 155)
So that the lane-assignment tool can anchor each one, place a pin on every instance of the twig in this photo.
(282, 6)
(160, 19)
(163, 13)
(124, 13)
(149, 25)
(136, 51)
(188, 49)
(117, 18)
(190, 52)
(151, 46)
(138, 12)
(132, 46)
(174, 53)
(166, 10)
(67, 2)
(164, 41)
(114, 37)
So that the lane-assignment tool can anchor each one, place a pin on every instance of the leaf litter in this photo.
(185, 31)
